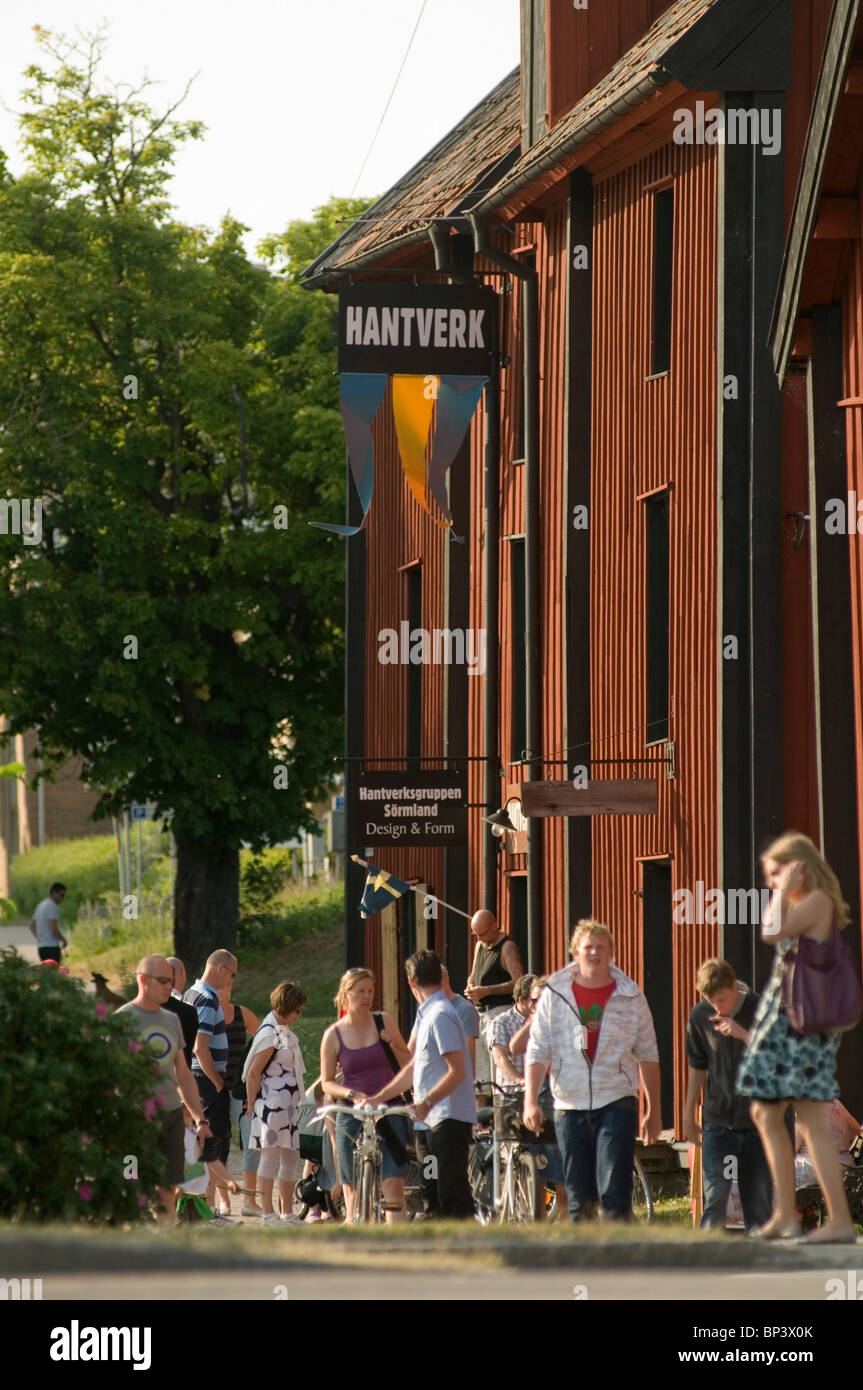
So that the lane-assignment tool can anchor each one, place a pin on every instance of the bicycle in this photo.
(503, 1170)
(510, 1188)
(369, 1204)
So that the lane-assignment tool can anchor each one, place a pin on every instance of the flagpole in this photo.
(365, 864)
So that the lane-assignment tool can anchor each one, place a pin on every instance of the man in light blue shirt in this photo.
(441, 1074)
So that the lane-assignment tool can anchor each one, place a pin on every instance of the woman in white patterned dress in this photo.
(274, 1088)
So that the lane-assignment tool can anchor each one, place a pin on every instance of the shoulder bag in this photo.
(821, 986)
(390, 1138)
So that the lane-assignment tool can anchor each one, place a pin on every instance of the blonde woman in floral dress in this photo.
(781, 1067)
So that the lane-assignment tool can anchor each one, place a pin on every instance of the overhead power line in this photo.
(389, 98)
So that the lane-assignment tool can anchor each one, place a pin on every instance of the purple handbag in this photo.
(821, 986)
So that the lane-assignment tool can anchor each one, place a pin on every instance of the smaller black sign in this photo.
(411, 808)
(442, 330)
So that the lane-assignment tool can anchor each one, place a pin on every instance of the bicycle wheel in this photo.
(642, 1202)
(526, 1188)
(479, 1172)
(367, 1205)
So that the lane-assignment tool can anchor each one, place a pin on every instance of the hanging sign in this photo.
(436, 344)
(411, 808)
(604, 797)
(417, 329)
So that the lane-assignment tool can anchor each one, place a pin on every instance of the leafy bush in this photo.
(76, 1102)
(262, 878)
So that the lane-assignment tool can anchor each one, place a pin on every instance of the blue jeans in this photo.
(598, 1149)
(753, 1175)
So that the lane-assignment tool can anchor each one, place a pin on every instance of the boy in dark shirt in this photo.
(716, 1034)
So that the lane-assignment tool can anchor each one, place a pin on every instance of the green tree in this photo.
(172, 619)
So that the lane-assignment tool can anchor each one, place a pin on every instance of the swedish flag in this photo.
(381, 889)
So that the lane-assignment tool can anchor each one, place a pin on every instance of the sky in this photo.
(291, 90)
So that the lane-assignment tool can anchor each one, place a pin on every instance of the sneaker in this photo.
(292, 1220)
(314, 1216)
(219, 1221)
(269, 1219)
(250, 1211)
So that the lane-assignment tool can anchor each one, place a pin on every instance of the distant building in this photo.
(58, 810)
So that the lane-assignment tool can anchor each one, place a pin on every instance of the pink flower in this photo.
(86, 1139)
(63, 970)
(134, 1046)
(143, 1201)
(160, 1101)
(101, 1010)
(110, 1094)
(85, 1192)
(150, 1109)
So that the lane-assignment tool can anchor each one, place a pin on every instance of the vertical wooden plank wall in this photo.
(649, 434)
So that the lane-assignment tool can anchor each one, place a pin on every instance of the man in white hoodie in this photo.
(593, 1034)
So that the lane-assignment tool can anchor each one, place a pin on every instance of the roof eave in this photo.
(515, 193)
(838, 47)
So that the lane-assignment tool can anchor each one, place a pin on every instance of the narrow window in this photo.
(663, 259)
(657, 617)
(520, 443)
(518, 912)
(518, 654)
(415, 672)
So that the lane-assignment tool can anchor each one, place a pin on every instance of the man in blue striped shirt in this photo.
(210, 1057)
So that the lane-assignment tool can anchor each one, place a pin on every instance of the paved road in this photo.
(18, 935)
(301, 1284)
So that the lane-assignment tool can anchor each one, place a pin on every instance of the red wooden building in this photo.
(635, 491)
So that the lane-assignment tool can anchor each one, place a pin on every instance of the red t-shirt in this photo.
(590, 1004)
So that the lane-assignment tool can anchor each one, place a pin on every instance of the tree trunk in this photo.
(206, 902)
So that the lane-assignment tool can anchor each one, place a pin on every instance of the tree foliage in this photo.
(172, 405)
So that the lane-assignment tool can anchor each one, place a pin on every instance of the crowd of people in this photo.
(580, 1044)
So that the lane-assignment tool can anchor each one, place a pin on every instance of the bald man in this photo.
(496, 967)
(161, 1036)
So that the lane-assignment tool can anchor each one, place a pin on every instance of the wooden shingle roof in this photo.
(464, 161)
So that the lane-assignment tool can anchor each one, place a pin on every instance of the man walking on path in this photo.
(186, 1013)
(441, 1076)
(496, 967)
(159, 1032)
(210, 1058)
(45, 925)
(716, 1034)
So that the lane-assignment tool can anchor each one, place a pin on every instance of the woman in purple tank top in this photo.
(353, 1046)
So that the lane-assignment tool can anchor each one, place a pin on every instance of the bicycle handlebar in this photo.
(511, 1090)
(377, 1112)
